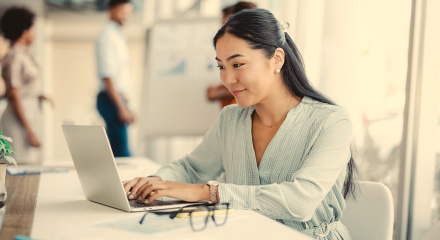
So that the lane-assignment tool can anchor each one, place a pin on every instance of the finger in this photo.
(130, 184)
(147, 189)
(152, 186)
(141, 190)
(143, 187)
(135, 188)
(124, 182)
(158, 194)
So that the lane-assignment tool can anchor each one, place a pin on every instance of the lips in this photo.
(237, 92)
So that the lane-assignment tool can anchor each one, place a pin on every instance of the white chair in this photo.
(371, 214)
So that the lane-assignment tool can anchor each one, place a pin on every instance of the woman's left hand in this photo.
(44, 98)
(184, 191)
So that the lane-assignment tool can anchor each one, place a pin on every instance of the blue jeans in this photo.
(116, 130)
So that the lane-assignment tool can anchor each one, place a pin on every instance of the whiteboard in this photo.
(180, 67)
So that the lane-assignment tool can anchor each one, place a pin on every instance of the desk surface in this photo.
(20, 205)
(62, 212)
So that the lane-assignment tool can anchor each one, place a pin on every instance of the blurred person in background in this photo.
(220, 93)
(227, 12)
(22, 76)
(4, 48)
(113, 71)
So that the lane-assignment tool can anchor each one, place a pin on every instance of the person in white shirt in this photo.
(112, 59)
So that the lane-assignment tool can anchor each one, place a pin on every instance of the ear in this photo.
(278, 58)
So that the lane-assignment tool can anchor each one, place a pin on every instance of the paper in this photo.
(32, 169)
(152, 224)
(156, 223)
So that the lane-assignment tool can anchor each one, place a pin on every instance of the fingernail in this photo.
(134, 195)
(131, 196)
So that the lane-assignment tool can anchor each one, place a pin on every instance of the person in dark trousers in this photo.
(113, 71)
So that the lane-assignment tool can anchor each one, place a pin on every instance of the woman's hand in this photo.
(184, 191)
(212, 93)
(32, 139)
(43, 98)
(154, 186)
(137, 183)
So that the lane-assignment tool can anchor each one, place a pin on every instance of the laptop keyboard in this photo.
(140, 204)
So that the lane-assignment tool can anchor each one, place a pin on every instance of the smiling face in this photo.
(248, 74)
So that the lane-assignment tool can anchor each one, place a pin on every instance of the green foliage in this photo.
(6, 149)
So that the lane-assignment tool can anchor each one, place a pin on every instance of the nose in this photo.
(229, 78)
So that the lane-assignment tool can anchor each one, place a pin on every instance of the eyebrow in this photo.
(231, 57)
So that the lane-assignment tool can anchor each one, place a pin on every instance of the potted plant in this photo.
(5, 158)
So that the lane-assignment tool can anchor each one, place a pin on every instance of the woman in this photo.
(4, 47)
(285, 149)
(220, 93)
(21, 118)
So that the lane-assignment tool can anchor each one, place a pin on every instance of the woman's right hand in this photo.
(32, 139)
(138, 183)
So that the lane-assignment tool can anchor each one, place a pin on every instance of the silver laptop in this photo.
(98, 173)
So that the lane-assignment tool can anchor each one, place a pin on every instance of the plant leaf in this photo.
(3, 149)
(10, 160)
(6, 138)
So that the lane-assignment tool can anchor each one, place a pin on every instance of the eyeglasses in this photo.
(199, 214)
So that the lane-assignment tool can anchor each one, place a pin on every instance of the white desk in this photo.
(62, 212)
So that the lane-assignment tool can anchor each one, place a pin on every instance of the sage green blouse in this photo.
(299, 181)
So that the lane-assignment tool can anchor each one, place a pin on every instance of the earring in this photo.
(278, 71)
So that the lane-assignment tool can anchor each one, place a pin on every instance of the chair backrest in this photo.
(433, 233)
(371, 214)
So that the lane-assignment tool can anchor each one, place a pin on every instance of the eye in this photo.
(238, 65)
(220, 67)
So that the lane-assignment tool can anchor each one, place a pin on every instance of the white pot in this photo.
(3, 172)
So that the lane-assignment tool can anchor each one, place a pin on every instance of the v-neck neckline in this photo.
(273, 141)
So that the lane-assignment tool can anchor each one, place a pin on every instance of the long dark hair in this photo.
(260, 29)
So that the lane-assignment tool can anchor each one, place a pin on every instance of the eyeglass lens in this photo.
(199, 217)
(220, 214)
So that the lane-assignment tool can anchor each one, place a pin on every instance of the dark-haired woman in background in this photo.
(285, 148)
(22, 76)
